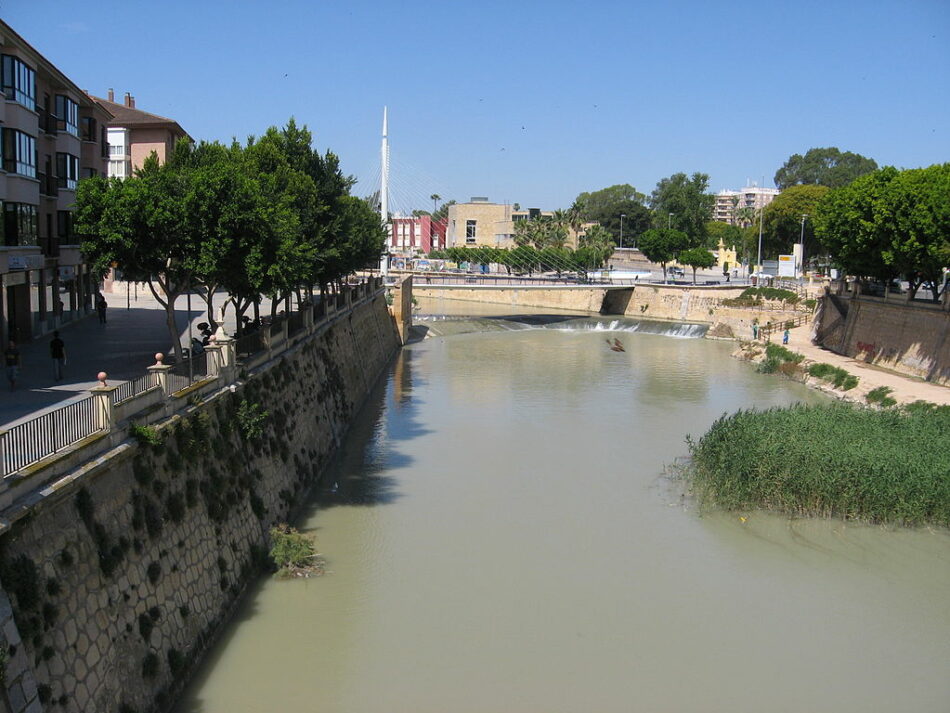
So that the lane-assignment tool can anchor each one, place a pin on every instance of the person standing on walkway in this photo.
(785, 337)
(12, 359)
(57, 350)
(101, 305)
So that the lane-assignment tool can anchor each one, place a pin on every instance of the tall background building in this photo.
(53, 135)
(134, 134)
(739, 207)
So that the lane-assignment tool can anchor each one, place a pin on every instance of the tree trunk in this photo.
(209, 300)
(169, 305)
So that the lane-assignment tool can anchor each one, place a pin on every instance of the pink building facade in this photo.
(417, 234)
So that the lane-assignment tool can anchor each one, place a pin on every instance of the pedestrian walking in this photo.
(12, 358)
(785, 337)
(101, 305)
(755, 331)
(57, 350)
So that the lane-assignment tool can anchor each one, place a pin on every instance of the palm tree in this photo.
(435, 198)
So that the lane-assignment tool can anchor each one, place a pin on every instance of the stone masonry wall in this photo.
(907, 338)
(119, 583)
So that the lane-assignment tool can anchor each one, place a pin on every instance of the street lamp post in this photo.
(622, 216)
(759, 260)
(669, 222)
(802, 244)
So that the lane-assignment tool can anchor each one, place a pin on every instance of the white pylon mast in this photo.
(384, 169)
(384, 194)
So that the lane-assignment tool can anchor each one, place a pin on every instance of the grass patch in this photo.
(836, 460)
(836, 375)
(881, 397)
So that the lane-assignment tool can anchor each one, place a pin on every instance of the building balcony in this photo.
(47, 123)
(48, 185)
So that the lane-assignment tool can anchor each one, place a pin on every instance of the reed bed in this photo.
(835, 460)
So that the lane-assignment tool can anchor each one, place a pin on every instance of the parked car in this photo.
(675, 271)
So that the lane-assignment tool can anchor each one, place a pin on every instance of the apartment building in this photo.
(483, 223)
(737, 207)
(416, 234)
(53, 135)
(134, 134)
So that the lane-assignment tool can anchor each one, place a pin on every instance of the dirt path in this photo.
(905, 389)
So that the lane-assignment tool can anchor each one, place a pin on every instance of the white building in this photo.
(730, 205)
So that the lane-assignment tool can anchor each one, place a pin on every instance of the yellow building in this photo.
(480, 223)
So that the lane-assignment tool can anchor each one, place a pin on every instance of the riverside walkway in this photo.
(123, 348)
(905, 389)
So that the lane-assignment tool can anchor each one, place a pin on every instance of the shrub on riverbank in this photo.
(835, 374)
(293, 553)
(833, 460)
(754, 296)
(778, 358)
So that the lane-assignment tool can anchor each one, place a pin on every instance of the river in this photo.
(502, 534)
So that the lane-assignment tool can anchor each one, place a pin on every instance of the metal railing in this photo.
(766, 331)
(33, 440)
(249, 343)
(183, 374)
(126, 391)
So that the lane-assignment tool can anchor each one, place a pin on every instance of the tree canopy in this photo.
(824, 167)
(608, 204)
(890, 223)
(263, 219)
(697, 258)
(681, 202)
(661, 245)
(782, 220)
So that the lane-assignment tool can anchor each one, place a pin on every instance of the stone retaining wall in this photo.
(121, 577)
(912, 339)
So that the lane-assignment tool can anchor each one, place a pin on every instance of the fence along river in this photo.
(501, 535)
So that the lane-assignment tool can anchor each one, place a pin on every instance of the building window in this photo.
(89, 132)
(67, 115)
(64, 227)
(103, 142)
(119, 169)
(19, 153)
(19, 224)
(67, 170)
(470, 231)
(116, 150)
(19, 82)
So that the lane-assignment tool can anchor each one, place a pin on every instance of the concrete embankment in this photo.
(909, 338)
(121, 576)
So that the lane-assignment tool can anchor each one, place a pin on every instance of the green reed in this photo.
(836, 460)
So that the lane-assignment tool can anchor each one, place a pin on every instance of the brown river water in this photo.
(502, 533)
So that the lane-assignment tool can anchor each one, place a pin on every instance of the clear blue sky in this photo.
(529, 102)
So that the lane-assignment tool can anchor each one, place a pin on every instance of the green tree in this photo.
(443, 211)
(661, 245)
(848, 224)
(697, 258)
(824, 167)
(682, 201)
(608, 204)
(140, 224)
(782, 220)
(730, 235)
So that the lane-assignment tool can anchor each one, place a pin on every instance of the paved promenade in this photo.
(123, 348)
(905, 389)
